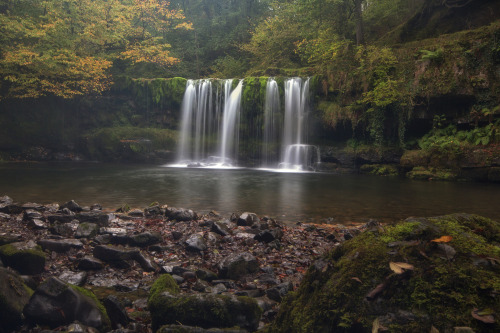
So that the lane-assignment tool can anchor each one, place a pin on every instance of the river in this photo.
(292, 197)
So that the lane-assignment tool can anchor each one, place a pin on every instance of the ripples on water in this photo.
(286, 196)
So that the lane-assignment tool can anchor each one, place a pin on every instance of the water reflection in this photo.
(289, 196)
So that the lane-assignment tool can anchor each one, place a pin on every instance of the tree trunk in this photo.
(358, 18)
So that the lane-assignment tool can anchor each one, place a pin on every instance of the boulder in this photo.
(14, 295)
(268, 236)
(75, 278)
(25, 258)
(196, 242)
(86, 230)
(116, 312)
(94, 216)
(72, 206)
(90, 263)
(221, 228)
(56, 303)
(113, 254)
(237, 265)
(247, 219)
(277, 293)
(180, 214)
(64, 229)
(145, 239)
(406, 277)
(60, 245)
(205, 310)
(136, 213)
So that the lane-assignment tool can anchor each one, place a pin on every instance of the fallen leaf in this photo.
(434, 330)
(376, 325)
(486, 315)
(374, 293)
(356, 279)
(442, 239)
(400, 267)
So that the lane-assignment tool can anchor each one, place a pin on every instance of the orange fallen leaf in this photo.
(486, 315)
(442, 239)
(400, 267)
(356, 279)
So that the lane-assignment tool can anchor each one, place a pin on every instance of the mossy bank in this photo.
(451, 281)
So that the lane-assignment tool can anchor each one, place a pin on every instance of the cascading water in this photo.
(296, 155)
(272, 125)
(209, 125)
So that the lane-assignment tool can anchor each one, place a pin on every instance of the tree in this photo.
(67, 48)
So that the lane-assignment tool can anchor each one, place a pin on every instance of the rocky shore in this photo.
(86, 269)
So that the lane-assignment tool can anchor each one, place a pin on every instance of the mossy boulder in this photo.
(23, 259)
(205, 310)
(379, 169)
(449, 282)
(56, 303)
(422, 173)
(14, 295)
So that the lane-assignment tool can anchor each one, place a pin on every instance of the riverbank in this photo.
(118, 256)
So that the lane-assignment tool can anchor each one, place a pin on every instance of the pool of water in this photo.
(286, 196)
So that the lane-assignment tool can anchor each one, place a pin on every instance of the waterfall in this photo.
(210, 126)
(207, 118)
(296, 154)
(230, 125)
(272, 124)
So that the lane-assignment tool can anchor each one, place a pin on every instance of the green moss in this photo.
(28, 261)
(440, 291)
(106, 321)
(164, 283)
(422, 173)
(380, 169)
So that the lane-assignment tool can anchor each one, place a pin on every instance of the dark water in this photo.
(287, 196)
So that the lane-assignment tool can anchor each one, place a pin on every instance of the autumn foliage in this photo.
(67, 48)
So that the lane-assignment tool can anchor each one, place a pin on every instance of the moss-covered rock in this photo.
(56, 303)
(353, 288)
(422, 173)
(165, 283)
(204, 310)
(379, 169)
(24, 260)
(14, 295)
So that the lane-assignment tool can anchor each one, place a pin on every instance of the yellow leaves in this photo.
(400, 267)
(184, 25)
(443, 239)
(156, 54)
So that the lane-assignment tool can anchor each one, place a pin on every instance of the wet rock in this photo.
(145, 239)
(247, 219)
(8, 206)
(180, 214)
(136, 213)
(37, 224)
(205, 310)
(75, 278)
(237, 265)
(31, 214)
(221, 228)
(278, 292)
(114, 254)
(146, 263)
(9, 238)
(196, 242)
(201, 286)
(72, 206)
(86, 230)
(219, 288)
(94, 216)
(55, 303)
(178, 279)
(90, 263)
(205, 274)
(60, 245)
(64, 229)
(268, 236)
(96, 206)
(33, 206)
(116, 312)
(153, 211)
(25, 258)
(14, 295)
(174, 268)
(61, 218)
